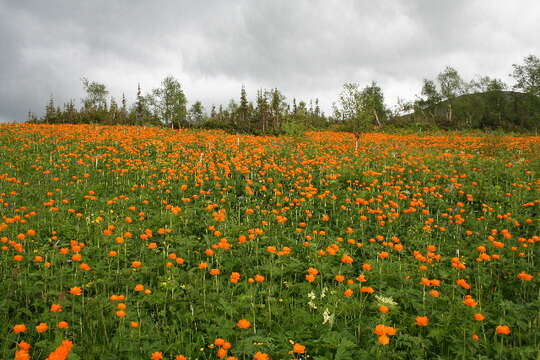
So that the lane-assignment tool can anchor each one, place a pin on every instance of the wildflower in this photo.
(19, 328)
(384, 309)
(234, 277)
(42, 327)
(136, 264)
(422, 320)
(367, 289)
(384, 332)
(348, 293)
(243, 324)
(62, 325)
(385, 300)
(463, 283)
(524, 276)
(61, 352)
(383, 340)
(298, 348)
(75, 291)
(469, 301)
(156, 356)
(478, 317)
(502, 330)
(261, 356)
(56, 308)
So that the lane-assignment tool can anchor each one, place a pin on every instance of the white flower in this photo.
(385, 300)
(327, 317)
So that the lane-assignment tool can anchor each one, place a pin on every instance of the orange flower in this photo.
(134, 324)
(524, 276)
(346, 259)
(261, 356)
(383, 340)
(259, 278)
(139, 287)
(348, 293)
(478, 317)
(234, 277)
(23, 345)
(384, 330)
(214, 272)
(19, 328)
(469, 301)
(136, 264)
(61, 352)
(367, 289)
(120, 313)
(434, 293)
(75, 290)
(502, 330)
(422, 320)
(243, 324)
(42, 327)
(463, 283)
(298, 348)
(156, 356)
(62, 325)
(383, 309)
(180, 357)
(221, 353)
(56, 308)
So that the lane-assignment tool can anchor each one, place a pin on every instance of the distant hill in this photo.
(507, 110)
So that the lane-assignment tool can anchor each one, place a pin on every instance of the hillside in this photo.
(507, 110)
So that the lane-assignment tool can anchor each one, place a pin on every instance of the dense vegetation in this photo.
(129, 242)
(448, 103)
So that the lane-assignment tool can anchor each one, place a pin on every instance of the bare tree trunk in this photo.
(357, 136)
(449, 115)
(376, 117)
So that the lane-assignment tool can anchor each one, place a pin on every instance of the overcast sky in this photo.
(306, 48)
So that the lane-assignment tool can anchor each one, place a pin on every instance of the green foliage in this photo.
(448, 102)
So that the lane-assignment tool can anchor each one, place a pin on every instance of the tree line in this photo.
(446, 102)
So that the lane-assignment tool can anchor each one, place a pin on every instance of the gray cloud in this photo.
(305, 48)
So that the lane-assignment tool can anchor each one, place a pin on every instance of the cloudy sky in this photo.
(306, 48)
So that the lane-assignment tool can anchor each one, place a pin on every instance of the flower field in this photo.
(147, 243)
